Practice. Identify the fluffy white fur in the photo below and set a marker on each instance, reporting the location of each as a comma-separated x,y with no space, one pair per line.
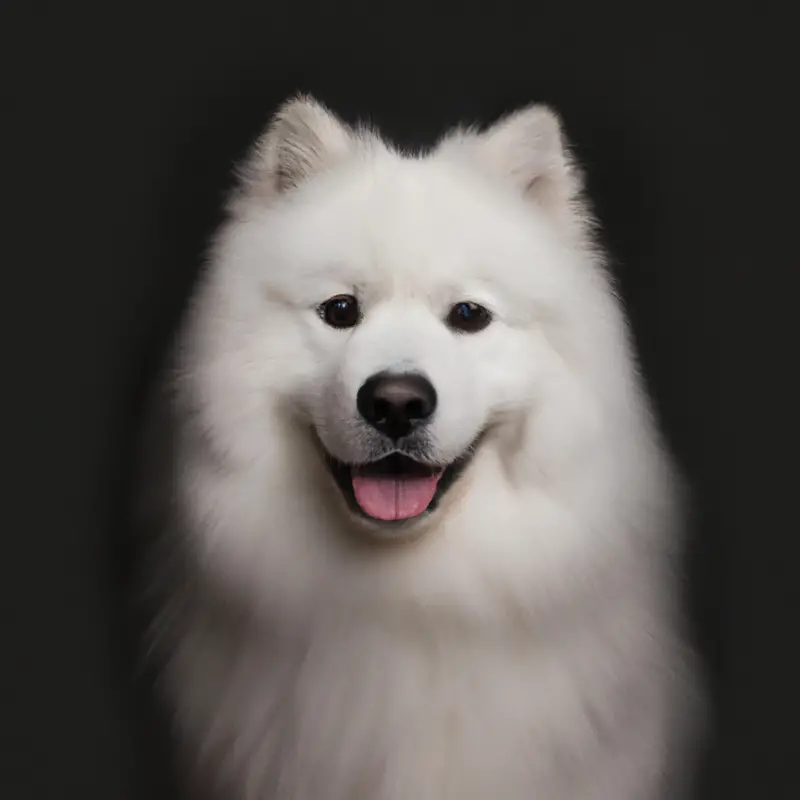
522,642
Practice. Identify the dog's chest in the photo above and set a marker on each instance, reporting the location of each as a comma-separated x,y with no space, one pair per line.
373,718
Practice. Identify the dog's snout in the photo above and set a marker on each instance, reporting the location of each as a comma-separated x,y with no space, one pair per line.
396,404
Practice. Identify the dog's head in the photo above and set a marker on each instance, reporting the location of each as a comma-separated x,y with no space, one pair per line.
385,324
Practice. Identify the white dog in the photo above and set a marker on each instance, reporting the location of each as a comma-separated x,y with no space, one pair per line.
416,528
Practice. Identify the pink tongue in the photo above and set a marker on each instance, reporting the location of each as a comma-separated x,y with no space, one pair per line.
394,498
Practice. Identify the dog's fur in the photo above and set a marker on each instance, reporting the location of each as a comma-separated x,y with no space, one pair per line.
521,641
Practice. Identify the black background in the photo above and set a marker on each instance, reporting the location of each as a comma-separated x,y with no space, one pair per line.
119,125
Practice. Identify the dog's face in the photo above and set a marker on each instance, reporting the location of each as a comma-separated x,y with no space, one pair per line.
411,303
399,307
407,347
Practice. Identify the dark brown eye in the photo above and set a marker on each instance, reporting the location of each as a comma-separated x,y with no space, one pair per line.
468,317
341,311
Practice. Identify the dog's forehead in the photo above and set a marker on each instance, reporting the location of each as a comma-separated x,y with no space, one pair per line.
412,221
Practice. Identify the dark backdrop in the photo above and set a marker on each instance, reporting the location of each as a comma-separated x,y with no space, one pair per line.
119,126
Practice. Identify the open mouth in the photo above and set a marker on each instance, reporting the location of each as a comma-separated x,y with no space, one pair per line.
396,487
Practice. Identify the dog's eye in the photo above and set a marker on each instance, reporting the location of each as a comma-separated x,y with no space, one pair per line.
341,311
468,317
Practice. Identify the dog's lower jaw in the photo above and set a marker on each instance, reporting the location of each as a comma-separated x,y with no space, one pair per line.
402,529
371,532
375,533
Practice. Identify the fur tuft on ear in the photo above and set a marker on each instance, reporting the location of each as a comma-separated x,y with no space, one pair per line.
527,150
302,139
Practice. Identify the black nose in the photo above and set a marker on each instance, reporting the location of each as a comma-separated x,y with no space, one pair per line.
395,404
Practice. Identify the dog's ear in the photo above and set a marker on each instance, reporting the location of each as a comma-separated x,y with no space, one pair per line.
302,139
526,149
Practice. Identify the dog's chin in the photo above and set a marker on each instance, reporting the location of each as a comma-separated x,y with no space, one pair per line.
393,497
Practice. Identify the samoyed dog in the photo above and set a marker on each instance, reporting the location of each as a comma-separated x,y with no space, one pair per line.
414,530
